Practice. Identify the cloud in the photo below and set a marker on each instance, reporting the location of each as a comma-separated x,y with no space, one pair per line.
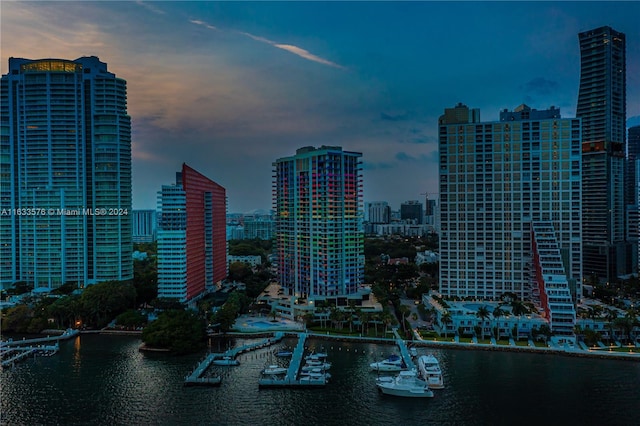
298,51
150,7
541,86
202,23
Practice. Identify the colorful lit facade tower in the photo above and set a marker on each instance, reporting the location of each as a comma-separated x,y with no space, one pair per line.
319,233
602,108
65,146
496,180
192,246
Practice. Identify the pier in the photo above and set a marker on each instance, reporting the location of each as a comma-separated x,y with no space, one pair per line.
11,355
69,333
291,378
196,379
404,352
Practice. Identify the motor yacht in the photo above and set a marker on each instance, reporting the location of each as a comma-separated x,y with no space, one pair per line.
406,384
430,370
392,364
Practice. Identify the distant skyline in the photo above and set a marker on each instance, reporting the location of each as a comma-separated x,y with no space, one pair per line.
230,87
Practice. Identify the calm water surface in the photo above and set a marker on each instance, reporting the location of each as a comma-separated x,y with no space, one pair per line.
104,380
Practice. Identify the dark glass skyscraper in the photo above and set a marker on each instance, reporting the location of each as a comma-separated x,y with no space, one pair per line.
65,174
602,108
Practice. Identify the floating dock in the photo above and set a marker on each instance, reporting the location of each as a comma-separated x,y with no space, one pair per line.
12,355
196,379
404,352
291,380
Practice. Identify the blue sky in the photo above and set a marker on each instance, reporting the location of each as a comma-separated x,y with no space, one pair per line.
228,87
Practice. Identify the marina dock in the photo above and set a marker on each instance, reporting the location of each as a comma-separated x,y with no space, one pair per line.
11,355
196,377
291,378
404,351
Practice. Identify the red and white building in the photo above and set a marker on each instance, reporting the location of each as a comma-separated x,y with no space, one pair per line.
192,247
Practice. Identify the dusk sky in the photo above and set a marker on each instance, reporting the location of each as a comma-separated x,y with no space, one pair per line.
230,87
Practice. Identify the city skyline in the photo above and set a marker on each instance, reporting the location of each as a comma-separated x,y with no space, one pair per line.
227,87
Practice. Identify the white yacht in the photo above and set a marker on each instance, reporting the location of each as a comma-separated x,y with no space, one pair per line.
430,371
392,364
272,370
319,364
406,384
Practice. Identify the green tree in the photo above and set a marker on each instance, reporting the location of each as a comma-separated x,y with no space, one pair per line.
103,301
446,320
483,314
180,331
17,319
131,318
497,313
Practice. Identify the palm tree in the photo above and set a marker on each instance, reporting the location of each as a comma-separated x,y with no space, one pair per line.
364,322
518,308
483,314
446,320
375,318
497,313
611,315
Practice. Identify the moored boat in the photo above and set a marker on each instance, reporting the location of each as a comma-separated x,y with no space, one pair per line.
227,360
392,364
430,370
274,370
406,384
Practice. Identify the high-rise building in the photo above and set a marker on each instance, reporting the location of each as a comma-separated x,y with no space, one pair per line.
144,226
412,211
377,212
258,227
65,174
602,108
510,208
318,211
631,178
192,247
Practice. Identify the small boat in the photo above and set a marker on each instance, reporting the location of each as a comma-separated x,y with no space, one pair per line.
227,360
391,364
316,373
406,384
319,364
413,352
274,370
318,356
430,370
284,354
310,367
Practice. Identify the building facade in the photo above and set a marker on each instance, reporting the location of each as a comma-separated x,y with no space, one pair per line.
144,226
377,212
318,212
602,108
65,174
496,180
411,211
192,247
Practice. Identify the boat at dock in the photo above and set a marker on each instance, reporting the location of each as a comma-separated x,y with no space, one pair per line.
274,370
406,384
429,368
285,353
227,360
392,364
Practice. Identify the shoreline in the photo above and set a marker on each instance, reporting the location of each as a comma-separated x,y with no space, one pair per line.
578,353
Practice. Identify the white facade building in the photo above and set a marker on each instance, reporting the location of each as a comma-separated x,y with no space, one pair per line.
496,179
